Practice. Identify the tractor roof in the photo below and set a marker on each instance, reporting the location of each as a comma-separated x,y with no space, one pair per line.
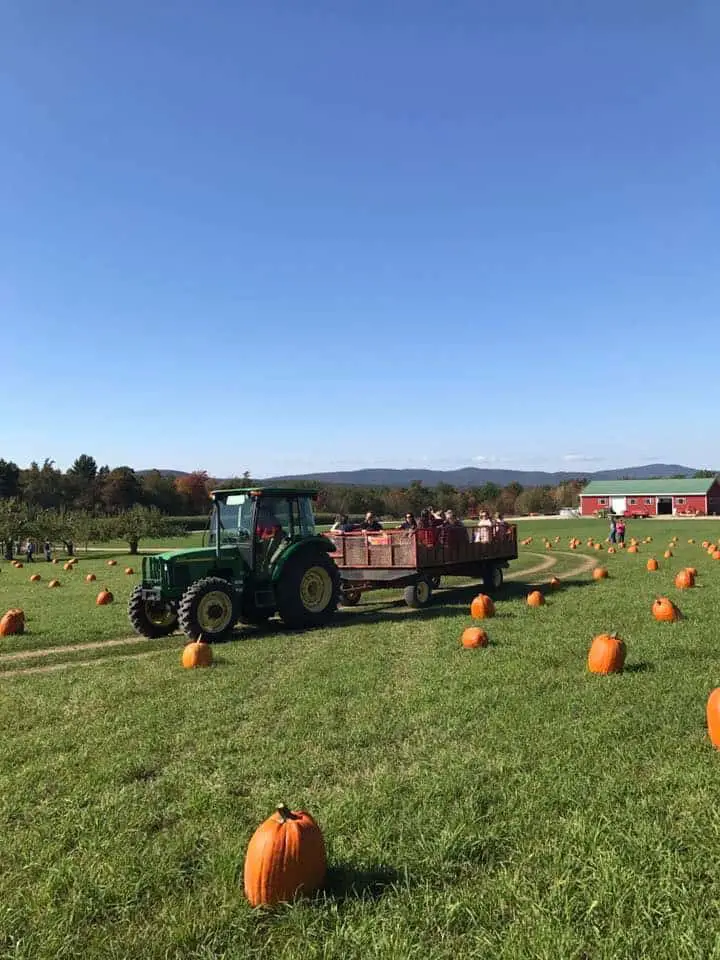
267,492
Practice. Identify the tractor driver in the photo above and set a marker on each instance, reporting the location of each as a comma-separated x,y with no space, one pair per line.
268,525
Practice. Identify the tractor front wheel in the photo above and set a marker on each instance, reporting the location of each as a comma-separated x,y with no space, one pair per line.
151,618
308,591
209,608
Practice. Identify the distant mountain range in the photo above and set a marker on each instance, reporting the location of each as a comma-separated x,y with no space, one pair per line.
470,476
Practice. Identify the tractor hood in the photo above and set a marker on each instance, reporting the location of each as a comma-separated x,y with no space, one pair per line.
195,553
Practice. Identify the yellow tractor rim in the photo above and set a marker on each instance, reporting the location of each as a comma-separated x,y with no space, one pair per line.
214,611
159,614
316,589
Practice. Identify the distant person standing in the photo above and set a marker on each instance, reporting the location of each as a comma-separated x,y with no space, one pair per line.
613,529
47,551
620,530
29,551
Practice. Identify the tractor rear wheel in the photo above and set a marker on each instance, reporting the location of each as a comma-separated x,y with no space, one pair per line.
151,618
308,591
209,608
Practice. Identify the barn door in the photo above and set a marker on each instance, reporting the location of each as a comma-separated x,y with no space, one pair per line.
617,504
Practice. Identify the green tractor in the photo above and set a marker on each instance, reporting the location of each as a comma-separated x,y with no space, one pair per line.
263,557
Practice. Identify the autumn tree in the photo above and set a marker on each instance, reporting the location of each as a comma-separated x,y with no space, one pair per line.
194,488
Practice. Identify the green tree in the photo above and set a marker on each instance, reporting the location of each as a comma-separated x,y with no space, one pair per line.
138,523
82,481
159,491
14,523
42,487
698,475
120,489
9,479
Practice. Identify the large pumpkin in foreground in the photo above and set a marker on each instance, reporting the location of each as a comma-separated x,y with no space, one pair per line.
197,654
12,622
285,857
713,717
482,607
607,654
474,637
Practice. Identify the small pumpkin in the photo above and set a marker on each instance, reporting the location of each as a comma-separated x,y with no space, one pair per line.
53,584
555,583
600,573
67,566
104,597
35,577
112,563
652,564
12,622
197,654
665,610
611,549
56,560
482,607
713,717
691,540
684,580
633,548
668,554
598,546
705,544
90,578
607,654
474,637
129,571
285,857
535,599
18,564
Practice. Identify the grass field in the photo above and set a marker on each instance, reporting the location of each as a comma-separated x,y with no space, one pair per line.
496,803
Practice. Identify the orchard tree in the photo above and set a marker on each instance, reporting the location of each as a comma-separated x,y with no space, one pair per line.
14,524
139,523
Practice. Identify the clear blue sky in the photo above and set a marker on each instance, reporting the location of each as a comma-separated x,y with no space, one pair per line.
301,234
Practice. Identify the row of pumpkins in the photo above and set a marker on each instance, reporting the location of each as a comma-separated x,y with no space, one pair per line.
286,855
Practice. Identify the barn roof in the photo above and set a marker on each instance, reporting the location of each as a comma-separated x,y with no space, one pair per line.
604,488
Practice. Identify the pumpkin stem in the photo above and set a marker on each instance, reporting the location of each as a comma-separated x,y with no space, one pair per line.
285,813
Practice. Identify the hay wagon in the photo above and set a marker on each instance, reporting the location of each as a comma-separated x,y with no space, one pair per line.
417,559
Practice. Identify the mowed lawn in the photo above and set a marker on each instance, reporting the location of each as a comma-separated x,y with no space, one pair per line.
496,803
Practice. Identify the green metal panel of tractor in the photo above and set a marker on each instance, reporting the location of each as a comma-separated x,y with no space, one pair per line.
263,557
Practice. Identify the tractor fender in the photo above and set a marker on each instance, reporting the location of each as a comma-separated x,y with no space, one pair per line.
311,543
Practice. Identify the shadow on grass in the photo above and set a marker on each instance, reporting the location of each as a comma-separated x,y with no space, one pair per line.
346,881
643,666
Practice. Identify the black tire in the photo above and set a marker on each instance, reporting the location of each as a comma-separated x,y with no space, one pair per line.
493,578
150,618
435,581
252,615
350,598
209,608
308,591
419,594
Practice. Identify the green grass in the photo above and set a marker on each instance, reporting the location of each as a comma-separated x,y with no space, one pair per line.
498,803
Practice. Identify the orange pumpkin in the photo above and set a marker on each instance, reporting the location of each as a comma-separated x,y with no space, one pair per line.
67,566
112,563
716,555
482,607
633,548
56,560
197,654
90,577
598,546
611,549
474,637
18,564
684,580
668,554
665,610
652,564
691,540
713,717
705,544
692,570
104,597
35,577
555,583
600,573
285,857
54,583
12,622
129,571
535,599
607,654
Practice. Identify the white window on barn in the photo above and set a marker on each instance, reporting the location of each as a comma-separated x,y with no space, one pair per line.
648,501
632,501
680,500
602,501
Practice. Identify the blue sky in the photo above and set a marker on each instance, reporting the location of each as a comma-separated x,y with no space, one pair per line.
287,236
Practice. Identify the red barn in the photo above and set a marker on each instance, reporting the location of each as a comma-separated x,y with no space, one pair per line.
648,498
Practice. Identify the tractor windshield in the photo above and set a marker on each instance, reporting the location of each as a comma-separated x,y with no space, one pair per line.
235,519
